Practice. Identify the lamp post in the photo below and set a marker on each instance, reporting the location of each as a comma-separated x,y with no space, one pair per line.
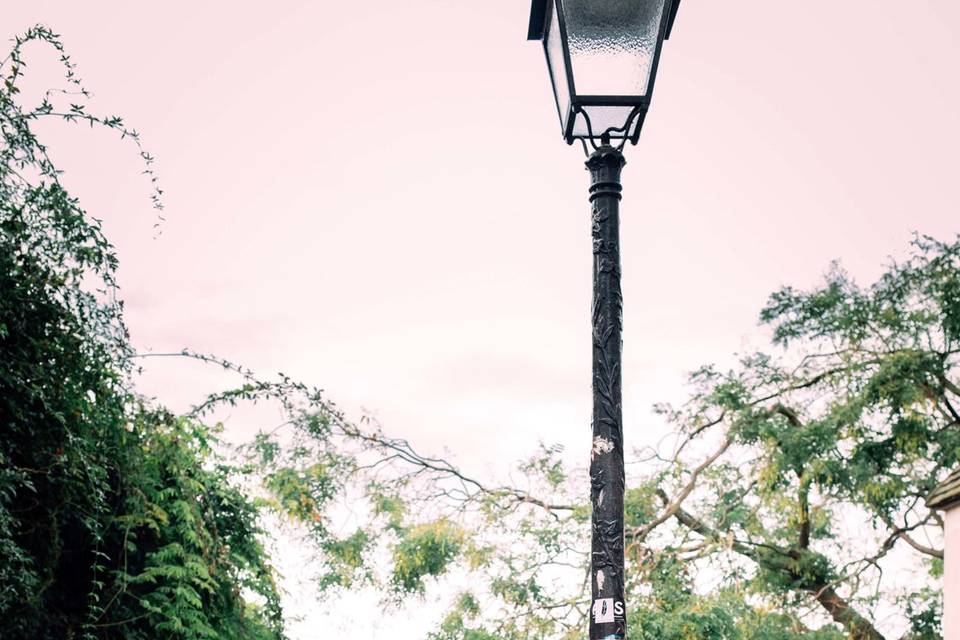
602,56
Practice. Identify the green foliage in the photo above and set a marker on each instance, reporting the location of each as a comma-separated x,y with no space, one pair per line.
675,610
301,492
457,624
640,505
117,520
189,541
346,559
423,551
546,465
389,506
925,611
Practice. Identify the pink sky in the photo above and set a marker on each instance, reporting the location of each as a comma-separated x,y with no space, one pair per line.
374,197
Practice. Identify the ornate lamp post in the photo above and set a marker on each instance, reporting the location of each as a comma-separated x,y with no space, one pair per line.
602,56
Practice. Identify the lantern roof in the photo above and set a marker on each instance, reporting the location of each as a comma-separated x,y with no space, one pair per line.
947,493
538,15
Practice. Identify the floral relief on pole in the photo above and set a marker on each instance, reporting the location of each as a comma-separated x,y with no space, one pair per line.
608,616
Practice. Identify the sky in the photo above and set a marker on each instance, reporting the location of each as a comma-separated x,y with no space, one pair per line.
375,197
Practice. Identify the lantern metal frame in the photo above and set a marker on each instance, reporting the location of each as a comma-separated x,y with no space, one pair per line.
539,13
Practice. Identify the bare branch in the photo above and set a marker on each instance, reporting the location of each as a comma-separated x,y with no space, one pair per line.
640,533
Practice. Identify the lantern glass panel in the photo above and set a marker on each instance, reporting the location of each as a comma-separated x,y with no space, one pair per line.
603,118
612,45
558,68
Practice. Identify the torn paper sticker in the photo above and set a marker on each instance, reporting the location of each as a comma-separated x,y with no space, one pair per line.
601,446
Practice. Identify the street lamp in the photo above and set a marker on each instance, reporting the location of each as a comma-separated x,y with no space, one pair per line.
602,56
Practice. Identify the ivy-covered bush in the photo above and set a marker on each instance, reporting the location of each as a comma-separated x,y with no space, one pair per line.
116,518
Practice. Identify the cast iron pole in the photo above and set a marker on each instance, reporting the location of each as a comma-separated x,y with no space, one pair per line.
608,606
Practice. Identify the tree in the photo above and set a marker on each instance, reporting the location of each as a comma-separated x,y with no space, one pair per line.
792,502
789,504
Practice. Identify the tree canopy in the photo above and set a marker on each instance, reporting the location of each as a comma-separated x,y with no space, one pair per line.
788,504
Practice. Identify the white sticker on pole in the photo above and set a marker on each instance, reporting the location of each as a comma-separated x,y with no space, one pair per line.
603,610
